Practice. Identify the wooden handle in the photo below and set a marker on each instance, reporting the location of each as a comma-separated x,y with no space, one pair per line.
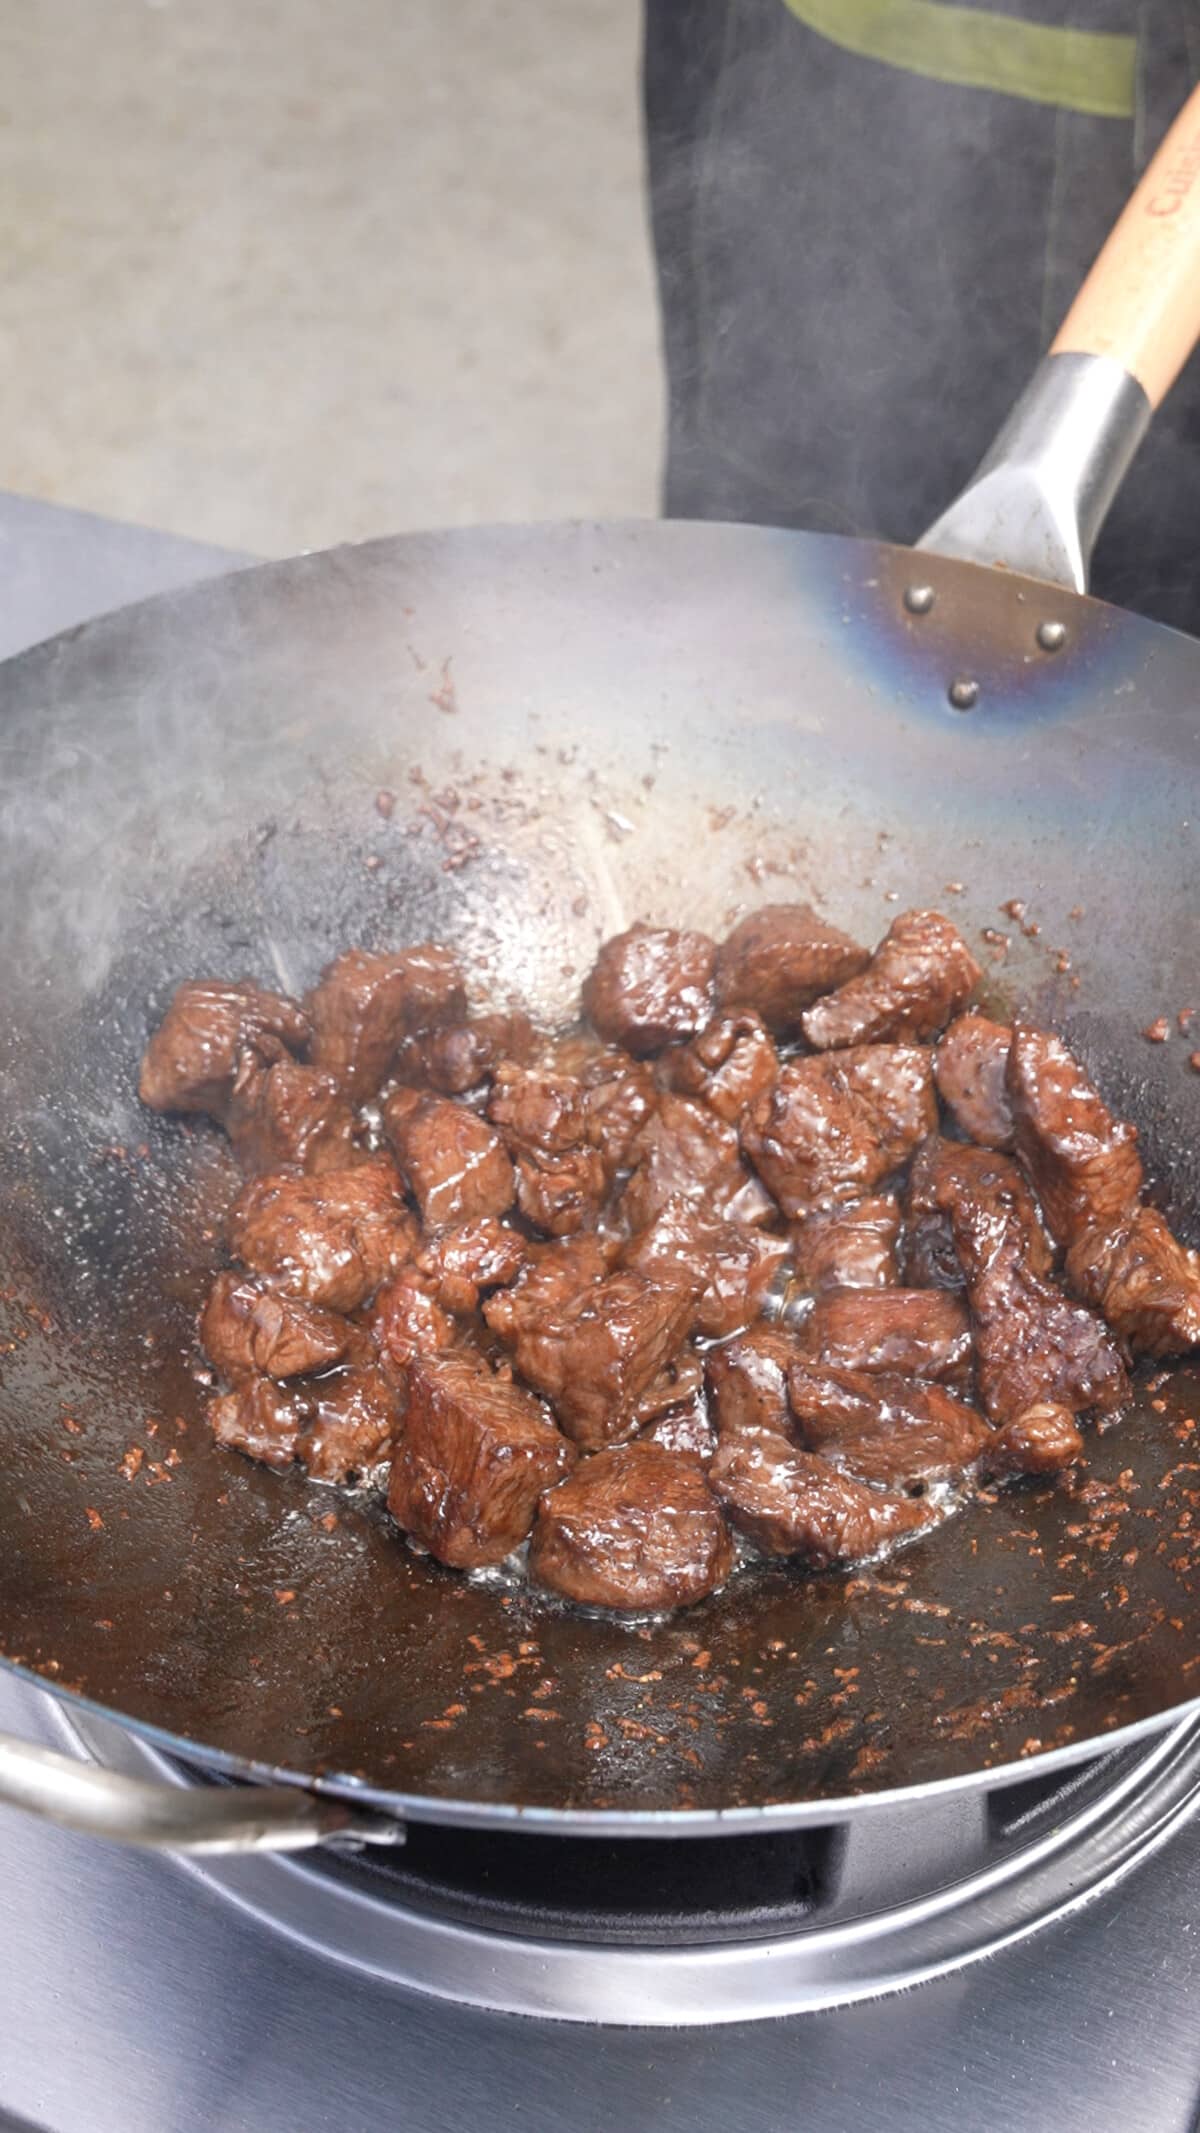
1141,302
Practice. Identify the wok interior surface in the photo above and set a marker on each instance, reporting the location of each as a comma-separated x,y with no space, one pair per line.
580,726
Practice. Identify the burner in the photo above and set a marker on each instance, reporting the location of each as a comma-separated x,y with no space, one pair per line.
675,1930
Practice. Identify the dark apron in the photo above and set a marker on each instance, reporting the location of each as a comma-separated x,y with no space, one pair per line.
862,257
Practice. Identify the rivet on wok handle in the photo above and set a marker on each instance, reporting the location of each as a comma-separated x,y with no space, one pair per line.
180,1818
1052,636
918,599
963,693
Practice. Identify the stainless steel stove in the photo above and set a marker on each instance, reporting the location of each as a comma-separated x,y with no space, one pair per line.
1046,1933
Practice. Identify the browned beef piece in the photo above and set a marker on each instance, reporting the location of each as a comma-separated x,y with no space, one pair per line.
1083,1161
790,1502
830,1129
352,1418
735,1265
247,1328
594,1352
884,1427
619,1095
1042,1440
920,975
689,1428
466,1054
684,1152
552,1277
635,1528
921,1333
365,1005
210,1035
678,1383
289,1116
650,986
852,1247
462,1262
725,1067
561,1194
407,1318
970,1067
1031,1342
560,1178
455,1164
471,1460
260,1419
945,1173
747,1382
330,1239
1144,1281
781,959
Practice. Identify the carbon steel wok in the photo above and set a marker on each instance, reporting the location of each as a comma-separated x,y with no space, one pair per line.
580,725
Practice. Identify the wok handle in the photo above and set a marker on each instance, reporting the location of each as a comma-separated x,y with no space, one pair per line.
1038,499
180,1818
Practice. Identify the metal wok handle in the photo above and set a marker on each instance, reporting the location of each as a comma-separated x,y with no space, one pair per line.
1039,498
178,1818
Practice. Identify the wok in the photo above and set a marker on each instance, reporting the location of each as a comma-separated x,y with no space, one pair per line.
580,725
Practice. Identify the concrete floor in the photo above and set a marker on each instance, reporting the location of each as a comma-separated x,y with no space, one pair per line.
288,273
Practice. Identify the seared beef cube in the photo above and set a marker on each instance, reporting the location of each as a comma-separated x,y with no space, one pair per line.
288,1116
1083,1161
789,1502
920,975
366,1004
735,1265
259,1419
650,986
635,1528
472,1458
331,1239
781,959
453,1161
678,1384
970,1067
407,1318
990,1197
561,1193
852,1247
619,1096
689,1428
1043,1440
553,1276
747,1381
211,1034
560,1180
247,1328
351,1423
599,1350
830,1129
684,1152
467,1054
462,1262
921,1333
725,1067
1146,1284
884,1427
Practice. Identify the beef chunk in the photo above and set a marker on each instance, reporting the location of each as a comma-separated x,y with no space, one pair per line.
563,1193
781,959
736,1266
1083,1161
683,1152
289,1116
330,1239
747,1383
594,1353
635,1528
830,1129
725,1067
790,1502
472,1458
247,1328
1146,1284
649,986
689,1428
920,975
552,1277
407,1318
884,1427
921,1333
619,1096
466,1054
993,1198
211,1035
462,1262
1043,1439
970,1067
678,1384
258,1418
851,1247
350,1425
560,1179
454,1162
366,1004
